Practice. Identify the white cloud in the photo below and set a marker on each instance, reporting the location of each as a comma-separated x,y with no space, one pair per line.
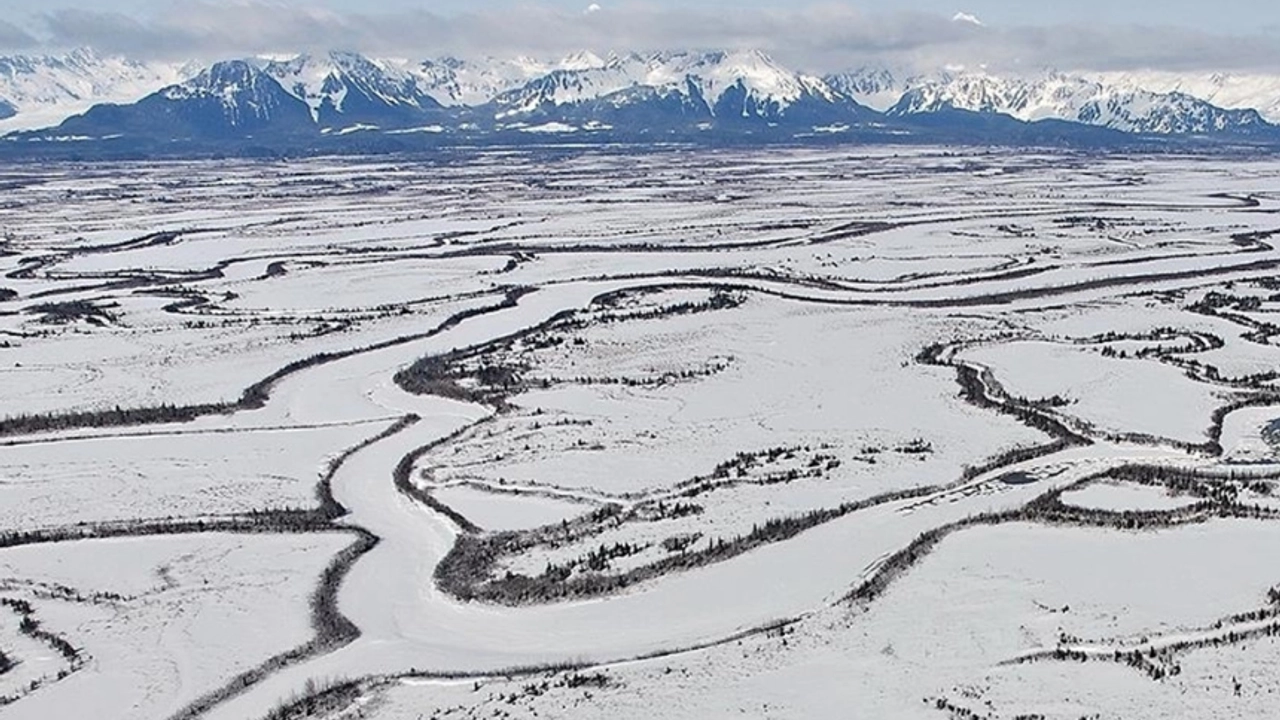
593,8
815,38
12,36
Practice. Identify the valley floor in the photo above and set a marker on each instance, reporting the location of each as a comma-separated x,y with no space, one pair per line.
887,433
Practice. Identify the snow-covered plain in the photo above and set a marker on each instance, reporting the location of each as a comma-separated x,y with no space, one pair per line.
660,434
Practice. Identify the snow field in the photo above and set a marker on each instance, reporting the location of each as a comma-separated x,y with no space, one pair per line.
186,614
807,391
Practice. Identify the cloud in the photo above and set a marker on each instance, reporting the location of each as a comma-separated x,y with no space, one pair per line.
210,29
12,36
814,38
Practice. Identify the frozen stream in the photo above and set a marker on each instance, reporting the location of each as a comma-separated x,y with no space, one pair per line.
804,331
406,623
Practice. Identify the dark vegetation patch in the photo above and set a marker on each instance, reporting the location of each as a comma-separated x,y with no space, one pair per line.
1220,500
761,468
491,373
62,313
319,700
253,522
30,626
253,397
332,629
1160,660
466,572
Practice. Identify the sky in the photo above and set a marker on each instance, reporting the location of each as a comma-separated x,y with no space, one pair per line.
1176,35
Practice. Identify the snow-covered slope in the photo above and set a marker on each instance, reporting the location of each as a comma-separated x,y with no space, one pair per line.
231,99
675,92
876,87
246,95
1227,90
43,90
454,82
745,84
1050,95
343,87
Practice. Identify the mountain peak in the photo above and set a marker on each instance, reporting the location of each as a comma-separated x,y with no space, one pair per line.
348,87
1060,96
43,90
690,90
582,60
226,79
729,85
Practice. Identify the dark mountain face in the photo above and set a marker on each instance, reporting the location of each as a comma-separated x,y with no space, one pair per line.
346,89
1066,98
228,100
709,96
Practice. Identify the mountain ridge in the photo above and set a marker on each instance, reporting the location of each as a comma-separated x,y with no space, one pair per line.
695,93
1051,95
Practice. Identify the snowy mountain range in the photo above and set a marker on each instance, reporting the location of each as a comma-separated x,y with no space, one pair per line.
44,90
84,95
1226,90
227,100
1118,105
747,84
